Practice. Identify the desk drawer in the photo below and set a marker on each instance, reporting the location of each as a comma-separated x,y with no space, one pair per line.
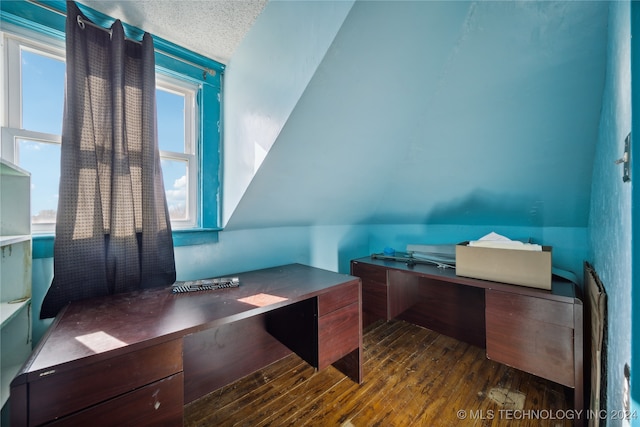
374,291
374,299
338,334
531,334
369,272
157,404
68,391
338,298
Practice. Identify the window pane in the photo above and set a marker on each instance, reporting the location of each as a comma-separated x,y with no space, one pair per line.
170,111
42,92
174,173
43,161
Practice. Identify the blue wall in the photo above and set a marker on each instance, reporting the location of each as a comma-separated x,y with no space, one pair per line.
329,247
265,79
635,211
610,212
432,112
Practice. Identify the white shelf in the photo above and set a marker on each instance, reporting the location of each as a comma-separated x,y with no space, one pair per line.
15,273
8,310
15,200
12,240
9,169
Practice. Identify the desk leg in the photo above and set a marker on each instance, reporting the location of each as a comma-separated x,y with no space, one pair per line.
321,340
19,407
351,365
296,326
404,292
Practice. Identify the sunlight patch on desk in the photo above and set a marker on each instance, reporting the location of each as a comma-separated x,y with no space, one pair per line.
100,341
262,300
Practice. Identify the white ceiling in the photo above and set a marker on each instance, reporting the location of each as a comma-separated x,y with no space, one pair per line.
213,28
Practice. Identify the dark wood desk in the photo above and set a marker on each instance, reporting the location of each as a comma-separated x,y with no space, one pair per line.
137,358
534,330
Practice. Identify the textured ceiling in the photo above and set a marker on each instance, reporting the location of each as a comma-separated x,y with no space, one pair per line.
213,28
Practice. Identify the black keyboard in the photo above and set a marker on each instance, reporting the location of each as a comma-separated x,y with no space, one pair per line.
205,284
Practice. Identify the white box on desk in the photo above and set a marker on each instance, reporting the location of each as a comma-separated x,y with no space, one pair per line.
513,266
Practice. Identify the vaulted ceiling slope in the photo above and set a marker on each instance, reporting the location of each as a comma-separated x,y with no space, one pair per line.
427,112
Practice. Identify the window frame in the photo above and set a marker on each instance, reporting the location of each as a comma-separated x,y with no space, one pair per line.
44,25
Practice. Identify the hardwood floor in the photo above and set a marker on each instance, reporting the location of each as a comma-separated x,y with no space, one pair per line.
412,377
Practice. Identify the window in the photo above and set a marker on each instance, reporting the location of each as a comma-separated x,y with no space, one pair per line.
35,102
188,112
177,112
35,128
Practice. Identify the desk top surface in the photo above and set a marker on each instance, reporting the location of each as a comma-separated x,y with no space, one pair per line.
107,326
561,289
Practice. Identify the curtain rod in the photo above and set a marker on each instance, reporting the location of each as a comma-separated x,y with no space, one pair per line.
82,22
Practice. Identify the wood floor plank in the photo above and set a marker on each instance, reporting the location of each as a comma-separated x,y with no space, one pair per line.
262,401
289,405
413,346
412,377
296,411
243,397
478,380
215,401
405,391
437,391
381,366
